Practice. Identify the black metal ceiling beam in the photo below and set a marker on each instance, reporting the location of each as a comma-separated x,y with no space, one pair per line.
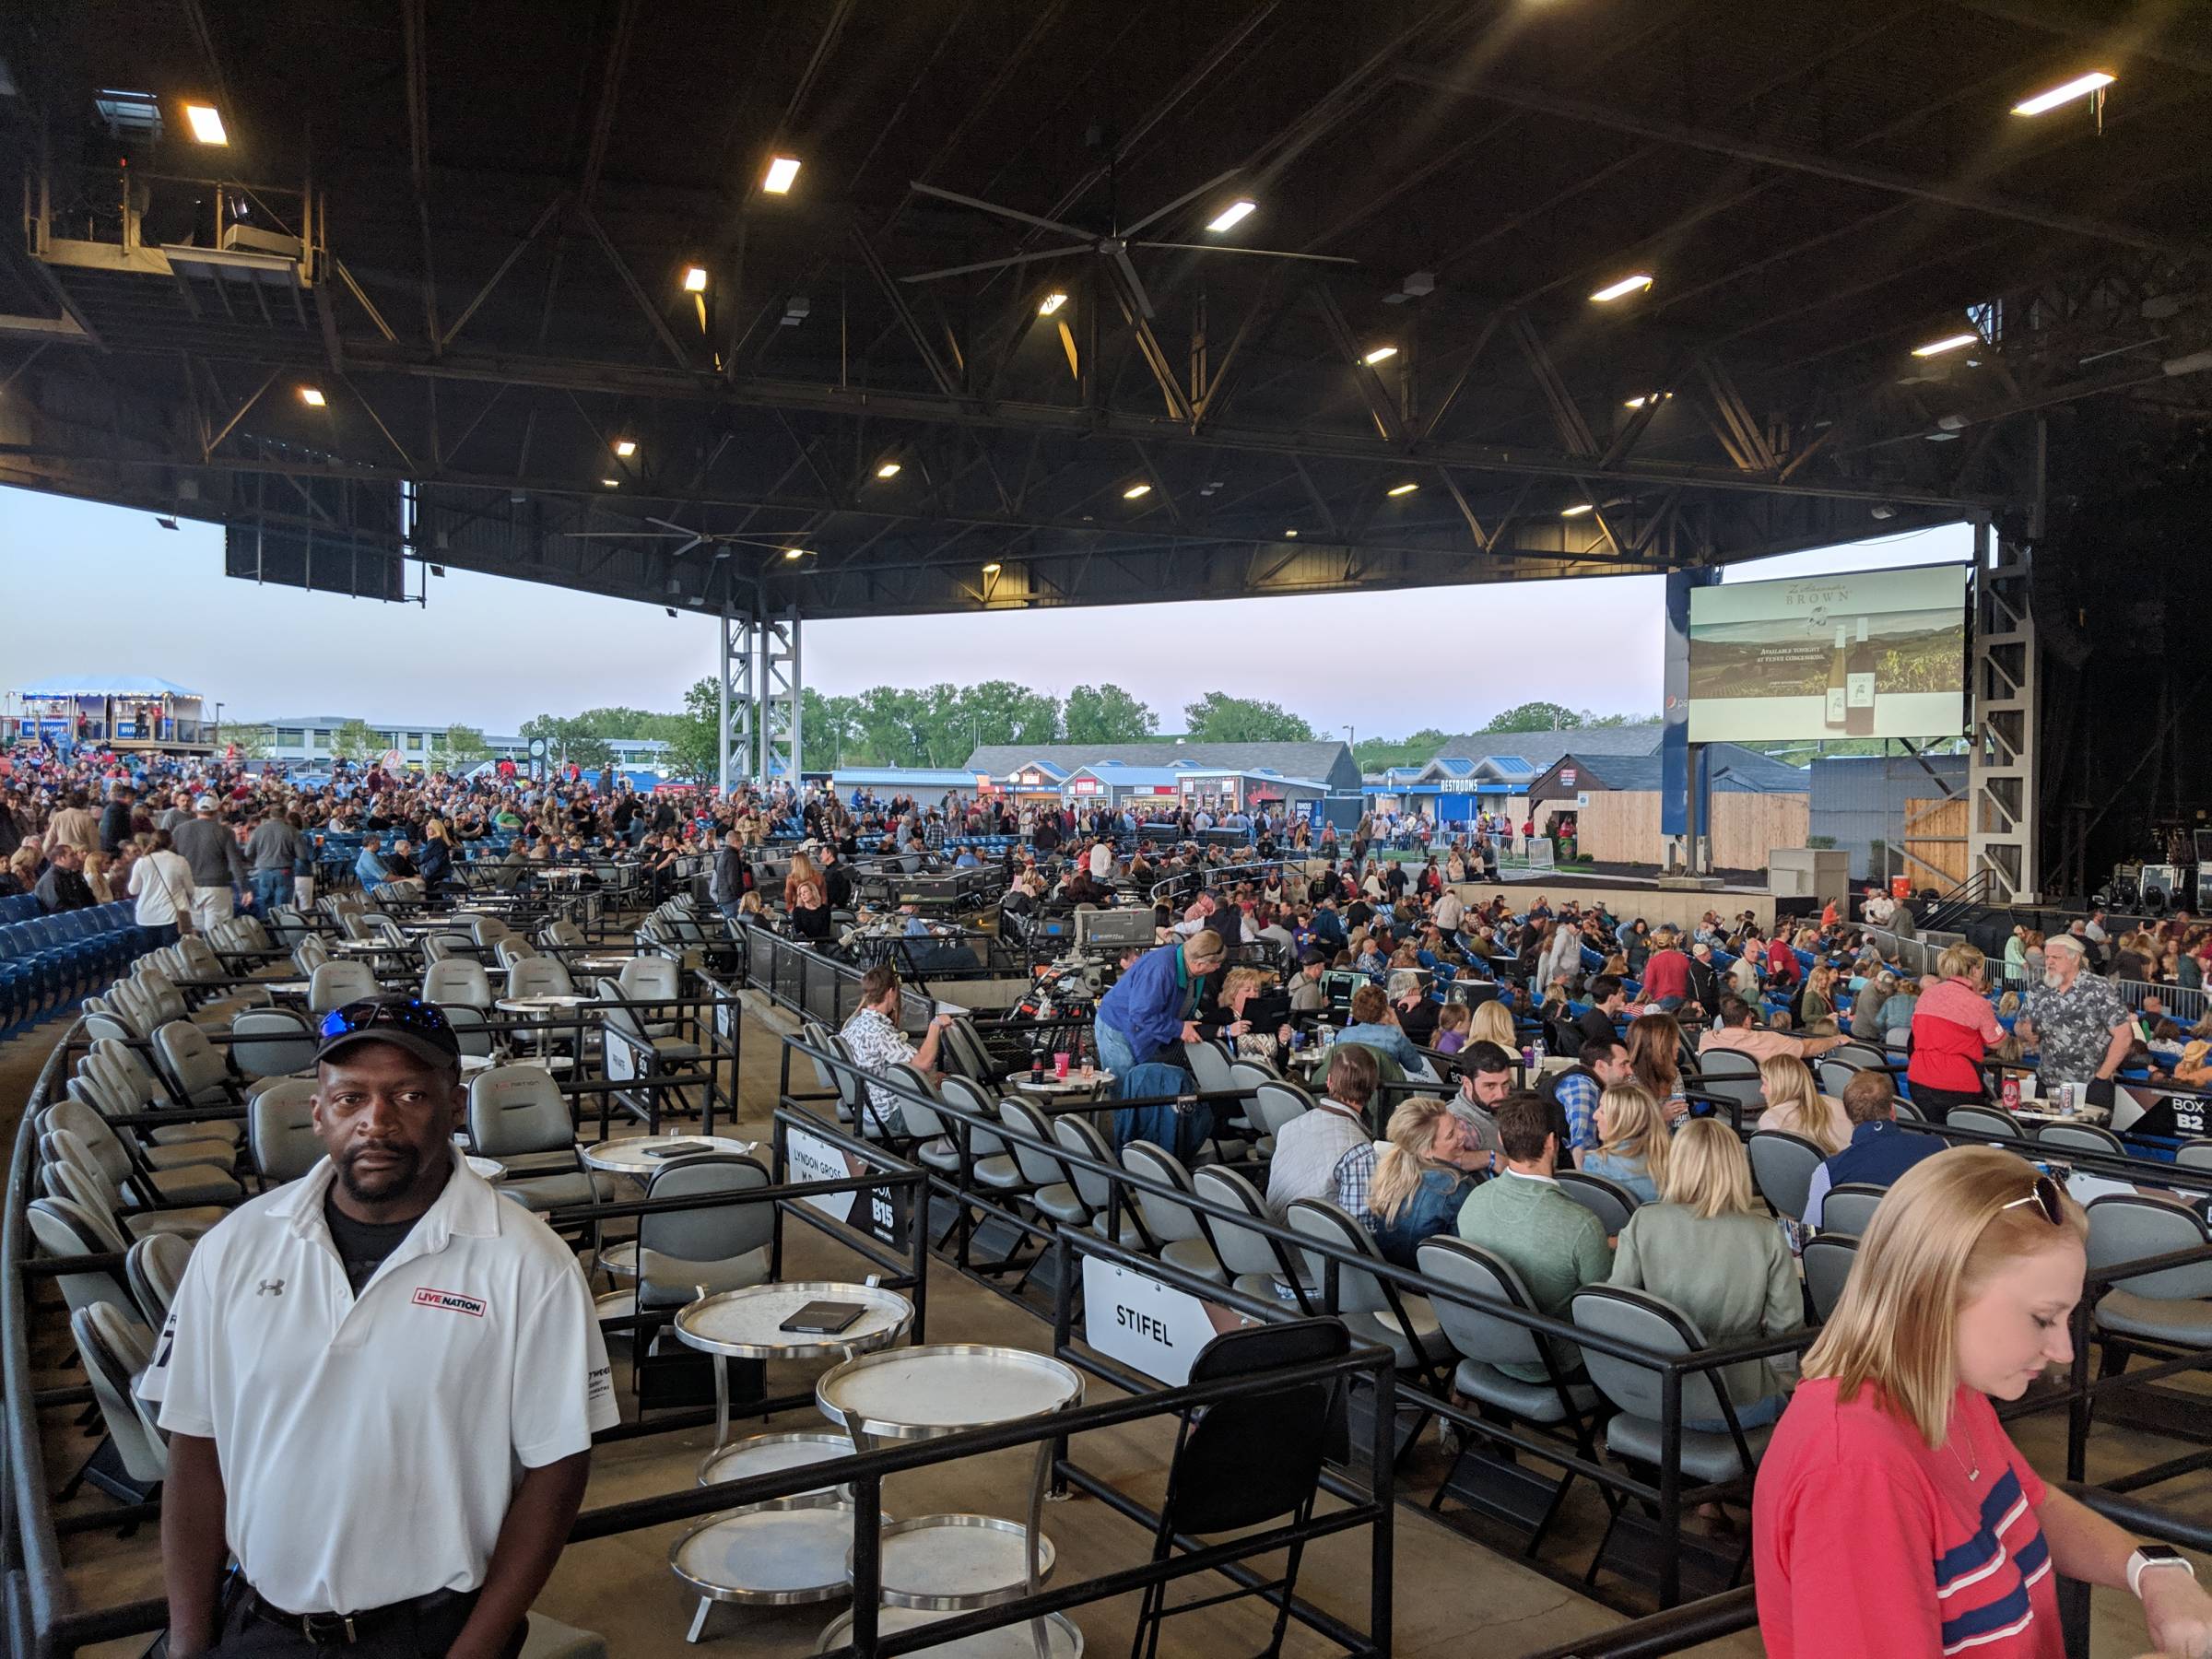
851,402
1792,159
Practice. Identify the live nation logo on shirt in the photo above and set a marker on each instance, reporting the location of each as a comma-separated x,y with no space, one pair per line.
453,1300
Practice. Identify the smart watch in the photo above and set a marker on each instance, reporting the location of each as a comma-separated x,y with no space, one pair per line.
2149,1557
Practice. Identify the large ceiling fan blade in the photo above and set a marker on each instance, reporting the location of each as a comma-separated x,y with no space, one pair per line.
672,526
1012,213
1260,253
1187,197
998,265
624,535
1136,286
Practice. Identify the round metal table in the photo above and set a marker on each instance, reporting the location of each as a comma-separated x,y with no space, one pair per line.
747,1325
1075,1084
642,1155
1062,1637
739,1557
924,1392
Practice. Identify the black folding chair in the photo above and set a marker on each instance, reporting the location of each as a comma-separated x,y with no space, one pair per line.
1244,1461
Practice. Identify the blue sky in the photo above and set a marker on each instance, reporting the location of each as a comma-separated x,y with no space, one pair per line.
102,588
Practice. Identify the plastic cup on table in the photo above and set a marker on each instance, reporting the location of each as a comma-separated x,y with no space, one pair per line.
1060,1061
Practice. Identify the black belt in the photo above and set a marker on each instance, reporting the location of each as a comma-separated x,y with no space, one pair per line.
342,1629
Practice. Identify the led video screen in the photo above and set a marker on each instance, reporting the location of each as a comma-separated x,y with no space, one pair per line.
1866,653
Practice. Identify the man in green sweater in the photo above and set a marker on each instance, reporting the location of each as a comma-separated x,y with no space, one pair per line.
1521,1217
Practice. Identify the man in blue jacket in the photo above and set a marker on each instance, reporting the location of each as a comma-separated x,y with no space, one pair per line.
1150,1007
1879,1151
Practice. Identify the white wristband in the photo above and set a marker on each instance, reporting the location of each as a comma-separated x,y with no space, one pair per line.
2139,1563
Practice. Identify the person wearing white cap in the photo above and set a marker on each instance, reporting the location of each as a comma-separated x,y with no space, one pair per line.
218,868
2076,1023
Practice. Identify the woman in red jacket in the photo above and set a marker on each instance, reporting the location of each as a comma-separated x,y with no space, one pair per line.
1892,1515
1953,1028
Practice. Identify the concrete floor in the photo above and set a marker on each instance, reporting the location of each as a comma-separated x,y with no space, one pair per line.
1446,1586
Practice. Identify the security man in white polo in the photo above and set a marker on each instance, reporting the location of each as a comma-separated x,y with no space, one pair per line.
380,1383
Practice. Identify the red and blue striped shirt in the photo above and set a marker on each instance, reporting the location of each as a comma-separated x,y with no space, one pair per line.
1867,1541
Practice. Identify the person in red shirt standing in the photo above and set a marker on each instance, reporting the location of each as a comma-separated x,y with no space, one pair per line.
1666,972
1892,1515
1953,1027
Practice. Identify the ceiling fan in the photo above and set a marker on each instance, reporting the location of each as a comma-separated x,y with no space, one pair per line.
1114,246
720,540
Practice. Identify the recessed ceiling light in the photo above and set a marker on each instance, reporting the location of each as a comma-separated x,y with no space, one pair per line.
612,483
1399,489
781,172
1235,214
694,279
1577,509
1291,534
1638,403
1134,490
311,397
206,123
1379,354
1050,304
1626,286
1948,343
626,447
889,469
795,553
992,569
2082,85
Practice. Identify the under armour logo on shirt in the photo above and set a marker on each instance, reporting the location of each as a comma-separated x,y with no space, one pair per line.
270,1287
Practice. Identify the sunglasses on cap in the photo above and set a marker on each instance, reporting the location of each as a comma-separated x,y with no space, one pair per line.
369,1014
2045,1196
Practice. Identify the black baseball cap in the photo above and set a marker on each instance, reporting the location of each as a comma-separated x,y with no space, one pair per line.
406,1022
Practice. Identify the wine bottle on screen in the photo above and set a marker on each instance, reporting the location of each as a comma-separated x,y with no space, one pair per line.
1858,687
1834,714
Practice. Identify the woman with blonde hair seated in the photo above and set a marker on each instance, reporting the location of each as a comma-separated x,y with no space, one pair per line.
1796,1107
1890,1460
1709,1246
1491,1022
1633,1141
1415,1182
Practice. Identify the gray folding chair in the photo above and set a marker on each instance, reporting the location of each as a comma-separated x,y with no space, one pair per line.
1180,1230
518,1116
1782,1166
457,982
1848,1210
1606,1199
272,1042
116,1349
1258,1266
281,1130
1635,1434
2079,1137
680,1256
336,983
1487,1341
1827,1260
1986,1120
155,1267
2168,1308
1732,1077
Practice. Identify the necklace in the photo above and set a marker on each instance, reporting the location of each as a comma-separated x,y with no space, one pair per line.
1973,1474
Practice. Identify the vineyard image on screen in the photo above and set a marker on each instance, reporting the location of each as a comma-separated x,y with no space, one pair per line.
1871,653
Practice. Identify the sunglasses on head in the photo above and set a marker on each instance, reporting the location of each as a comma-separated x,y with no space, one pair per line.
356,1016
2044,1195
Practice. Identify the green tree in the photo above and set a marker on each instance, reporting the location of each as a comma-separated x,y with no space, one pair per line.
355,741
464,746
1220,718
694,737
1600,722
1536,717
831,729
1376,754
253,741
898,724
1001,711
1106,714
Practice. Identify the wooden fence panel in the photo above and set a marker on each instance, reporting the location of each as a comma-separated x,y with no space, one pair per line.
1935,841
1622,827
